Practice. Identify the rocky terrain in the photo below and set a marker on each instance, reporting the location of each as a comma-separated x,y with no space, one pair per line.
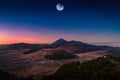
25,60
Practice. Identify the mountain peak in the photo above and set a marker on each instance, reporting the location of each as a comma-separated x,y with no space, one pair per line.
61,39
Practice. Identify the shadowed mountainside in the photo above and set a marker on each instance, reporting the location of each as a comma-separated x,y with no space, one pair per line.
60,55
76,46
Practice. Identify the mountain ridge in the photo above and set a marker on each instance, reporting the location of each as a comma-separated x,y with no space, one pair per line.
62,41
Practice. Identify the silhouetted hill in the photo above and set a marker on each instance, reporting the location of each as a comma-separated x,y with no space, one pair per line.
23,46
76,46
61,41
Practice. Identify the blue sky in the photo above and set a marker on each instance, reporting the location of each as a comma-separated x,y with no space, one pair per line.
88,20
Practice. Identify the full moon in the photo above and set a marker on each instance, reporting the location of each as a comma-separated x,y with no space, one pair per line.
59,7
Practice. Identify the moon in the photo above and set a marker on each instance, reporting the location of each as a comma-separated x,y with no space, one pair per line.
59,7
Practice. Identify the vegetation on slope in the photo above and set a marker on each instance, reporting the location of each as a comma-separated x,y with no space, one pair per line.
104,68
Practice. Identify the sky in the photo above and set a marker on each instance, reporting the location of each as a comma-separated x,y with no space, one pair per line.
38,21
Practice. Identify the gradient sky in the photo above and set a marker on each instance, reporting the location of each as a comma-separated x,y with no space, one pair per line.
38,21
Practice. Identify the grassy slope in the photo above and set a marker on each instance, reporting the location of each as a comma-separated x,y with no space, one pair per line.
100,69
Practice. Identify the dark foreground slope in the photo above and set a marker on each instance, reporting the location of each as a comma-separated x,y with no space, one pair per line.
8,76
104,68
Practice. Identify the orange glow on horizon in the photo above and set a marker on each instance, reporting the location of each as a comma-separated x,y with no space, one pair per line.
19,40
18,36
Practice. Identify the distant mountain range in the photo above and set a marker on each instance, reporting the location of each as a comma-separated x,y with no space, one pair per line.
113,44
60,44
61,41
76,46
